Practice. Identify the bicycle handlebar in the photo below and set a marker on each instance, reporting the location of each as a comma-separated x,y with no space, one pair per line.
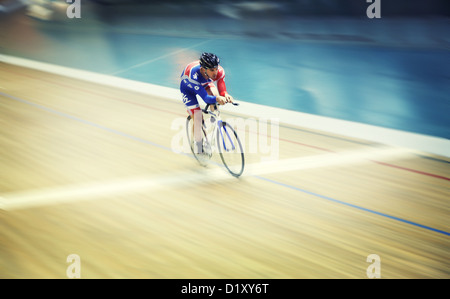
207,106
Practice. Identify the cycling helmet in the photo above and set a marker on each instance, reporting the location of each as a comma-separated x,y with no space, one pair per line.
209,60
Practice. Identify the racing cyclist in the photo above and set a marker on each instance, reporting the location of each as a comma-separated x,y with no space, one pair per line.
198,78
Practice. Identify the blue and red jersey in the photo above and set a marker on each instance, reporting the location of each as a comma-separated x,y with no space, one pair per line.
193,84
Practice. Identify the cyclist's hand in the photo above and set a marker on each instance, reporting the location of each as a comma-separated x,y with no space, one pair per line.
221,100
229,98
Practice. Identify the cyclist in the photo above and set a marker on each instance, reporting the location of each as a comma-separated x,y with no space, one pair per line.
198,78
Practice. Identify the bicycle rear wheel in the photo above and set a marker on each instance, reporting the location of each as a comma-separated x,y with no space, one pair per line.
190,137
230,149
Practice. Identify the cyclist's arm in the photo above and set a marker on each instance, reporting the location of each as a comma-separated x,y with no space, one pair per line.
209,99
223,91
222,87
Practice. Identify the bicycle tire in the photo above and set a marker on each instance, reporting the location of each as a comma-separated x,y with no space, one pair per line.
225,138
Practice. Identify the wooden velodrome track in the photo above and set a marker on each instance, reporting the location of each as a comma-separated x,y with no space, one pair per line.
87,169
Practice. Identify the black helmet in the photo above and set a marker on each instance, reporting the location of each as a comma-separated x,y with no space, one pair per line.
209,60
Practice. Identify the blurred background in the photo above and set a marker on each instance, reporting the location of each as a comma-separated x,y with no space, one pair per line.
324,57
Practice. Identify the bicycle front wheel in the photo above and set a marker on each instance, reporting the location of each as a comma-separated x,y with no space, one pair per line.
230,149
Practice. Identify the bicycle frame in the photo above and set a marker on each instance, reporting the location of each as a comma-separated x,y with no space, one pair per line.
217,125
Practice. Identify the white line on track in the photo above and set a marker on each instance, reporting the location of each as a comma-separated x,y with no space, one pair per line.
104,189
328,160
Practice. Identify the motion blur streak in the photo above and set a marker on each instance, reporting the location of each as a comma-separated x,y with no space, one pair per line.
63,194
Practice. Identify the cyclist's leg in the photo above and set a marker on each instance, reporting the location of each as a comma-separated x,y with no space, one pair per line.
193,108
212,90
197,117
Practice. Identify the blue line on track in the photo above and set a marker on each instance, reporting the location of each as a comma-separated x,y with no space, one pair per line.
85,121
354,206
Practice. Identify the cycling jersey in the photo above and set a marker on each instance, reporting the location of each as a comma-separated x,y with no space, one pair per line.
193,83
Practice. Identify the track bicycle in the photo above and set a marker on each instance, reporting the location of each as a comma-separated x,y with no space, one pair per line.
217,135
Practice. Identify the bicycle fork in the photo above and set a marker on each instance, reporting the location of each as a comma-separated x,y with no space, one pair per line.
221,125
